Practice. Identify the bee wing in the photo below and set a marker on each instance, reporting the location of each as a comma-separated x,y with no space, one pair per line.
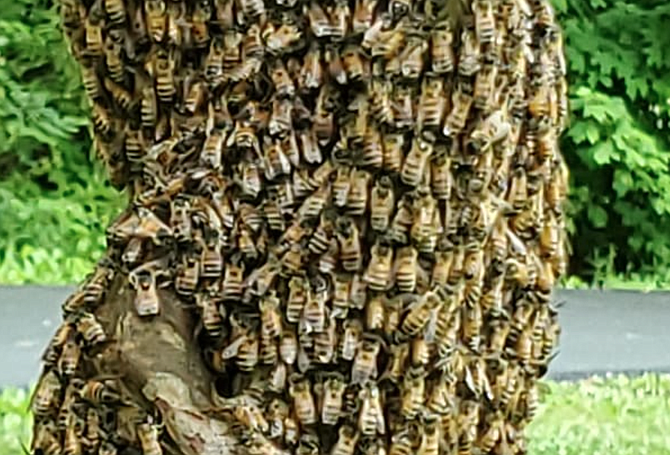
431,326
233,348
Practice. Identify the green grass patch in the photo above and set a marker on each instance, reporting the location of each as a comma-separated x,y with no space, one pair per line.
619,415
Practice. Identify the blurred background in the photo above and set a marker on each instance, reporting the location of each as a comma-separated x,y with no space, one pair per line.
55,201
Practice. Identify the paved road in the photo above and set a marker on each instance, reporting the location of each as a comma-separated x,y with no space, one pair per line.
602,332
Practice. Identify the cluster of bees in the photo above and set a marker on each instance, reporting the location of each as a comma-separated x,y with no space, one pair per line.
361,201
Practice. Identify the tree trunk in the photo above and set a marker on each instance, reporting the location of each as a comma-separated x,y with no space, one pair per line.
345,225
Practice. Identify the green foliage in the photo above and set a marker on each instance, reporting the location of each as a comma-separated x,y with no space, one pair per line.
617,148
54,201
15,421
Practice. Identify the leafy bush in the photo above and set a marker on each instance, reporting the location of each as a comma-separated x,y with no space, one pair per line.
54,201
616,145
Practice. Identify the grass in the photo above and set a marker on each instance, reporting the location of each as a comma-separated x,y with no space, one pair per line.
618,415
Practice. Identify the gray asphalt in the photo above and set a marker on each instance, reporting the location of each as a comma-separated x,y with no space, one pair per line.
603,332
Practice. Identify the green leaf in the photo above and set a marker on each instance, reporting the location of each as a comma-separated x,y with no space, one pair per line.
598,216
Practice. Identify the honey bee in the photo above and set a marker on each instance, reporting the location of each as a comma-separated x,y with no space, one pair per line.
90,329
325,343
350,247
270,316
282,80
412,58
401,443
93,430
424,213
378,273
314,204
72,11
148,107
493,433
383,41
163,68
412,393
441,397
156,19
102,122
484,87
68,362
147,301
311,152
357,198
140,34
430,436
432,103
469,62
93,38
354,66
341,294
311,73
406,269
489,132
346,440
381,109
115,67
331,391
90,79
188,275
201,15
303,401
45,438
72,437
314,312
364,366
280,120
280,39
252,9
382,203
403,107
293,259
319,21
420,312
288,346
211,150
97,393
351,337
297,298
422,350
401,222
53,349
47,394
374,313
245,350
484,21
107,448
455,121
212,319
233,281
176,17
371,419
414,166
147,434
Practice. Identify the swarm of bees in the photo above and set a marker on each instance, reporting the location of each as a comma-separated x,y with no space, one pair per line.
360,200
